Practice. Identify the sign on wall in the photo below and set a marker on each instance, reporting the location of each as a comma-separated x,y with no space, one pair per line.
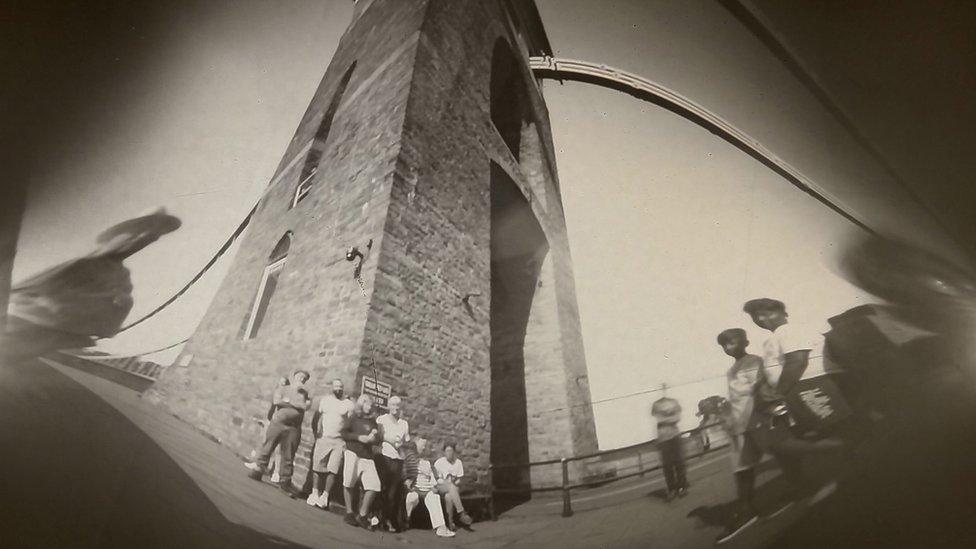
380,391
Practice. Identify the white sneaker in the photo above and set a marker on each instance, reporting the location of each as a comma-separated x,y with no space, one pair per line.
323,501
779,511
444,532
253,466
313,499
823,493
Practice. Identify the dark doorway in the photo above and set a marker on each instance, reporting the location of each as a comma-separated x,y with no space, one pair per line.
506,96
518,247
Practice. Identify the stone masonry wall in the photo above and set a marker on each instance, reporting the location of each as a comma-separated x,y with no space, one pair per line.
407,164
426,340
317,318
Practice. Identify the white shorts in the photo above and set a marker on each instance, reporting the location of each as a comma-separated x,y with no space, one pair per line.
362,469
746,453
327,455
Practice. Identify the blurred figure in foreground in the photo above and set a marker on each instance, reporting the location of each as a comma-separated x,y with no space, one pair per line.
71,305
927,322
908,373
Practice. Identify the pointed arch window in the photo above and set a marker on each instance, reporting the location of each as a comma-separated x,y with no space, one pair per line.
311,165
268,286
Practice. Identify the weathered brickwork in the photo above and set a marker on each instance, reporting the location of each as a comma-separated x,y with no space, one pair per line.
317,318
408,164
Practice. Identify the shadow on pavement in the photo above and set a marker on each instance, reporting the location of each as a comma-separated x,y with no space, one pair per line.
77,473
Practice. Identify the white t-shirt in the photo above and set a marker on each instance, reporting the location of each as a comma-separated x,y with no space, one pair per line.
443,468
395,433
742,378
333,415
787,339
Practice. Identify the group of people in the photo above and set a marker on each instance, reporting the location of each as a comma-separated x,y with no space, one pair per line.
375,452
782,403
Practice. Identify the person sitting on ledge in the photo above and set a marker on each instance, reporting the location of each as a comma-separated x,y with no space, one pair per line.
421,483
449,472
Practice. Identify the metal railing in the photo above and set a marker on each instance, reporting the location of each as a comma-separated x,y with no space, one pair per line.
566,487
131,365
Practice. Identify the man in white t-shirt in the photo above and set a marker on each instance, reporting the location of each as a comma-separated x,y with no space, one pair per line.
788,357
449,472
394,432
327,423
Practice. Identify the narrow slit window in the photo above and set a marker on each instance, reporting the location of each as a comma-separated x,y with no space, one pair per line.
308,175
311,165
269,285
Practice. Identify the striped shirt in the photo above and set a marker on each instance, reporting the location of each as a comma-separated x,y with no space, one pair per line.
411,459
425,476
417,469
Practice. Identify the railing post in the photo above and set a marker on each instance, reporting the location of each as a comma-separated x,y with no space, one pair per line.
567,505
491,493
640,463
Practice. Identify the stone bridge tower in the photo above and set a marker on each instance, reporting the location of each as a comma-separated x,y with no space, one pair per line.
427,146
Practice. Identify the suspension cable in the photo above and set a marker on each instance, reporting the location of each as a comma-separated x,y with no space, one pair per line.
223,249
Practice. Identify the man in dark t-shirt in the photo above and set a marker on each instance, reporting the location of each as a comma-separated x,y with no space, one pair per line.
360,434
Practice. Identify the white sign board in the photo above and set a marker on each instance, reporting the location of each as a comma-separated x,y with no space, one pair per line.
380,391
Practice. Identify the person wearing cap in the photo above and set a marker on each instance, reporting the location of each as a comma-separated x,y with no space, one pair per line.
284,431
787,358
394,432
71,305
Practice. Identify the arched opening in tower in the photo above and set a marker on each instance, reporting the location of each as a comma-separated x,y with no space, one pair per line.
506,94
311,165
518,247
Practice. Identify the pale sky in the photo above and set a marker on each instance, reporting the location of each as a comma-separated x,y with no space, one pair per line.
671,229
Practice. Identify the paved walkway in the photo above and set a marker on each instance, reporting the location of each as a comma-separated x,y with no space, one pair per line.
87,463
99,467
